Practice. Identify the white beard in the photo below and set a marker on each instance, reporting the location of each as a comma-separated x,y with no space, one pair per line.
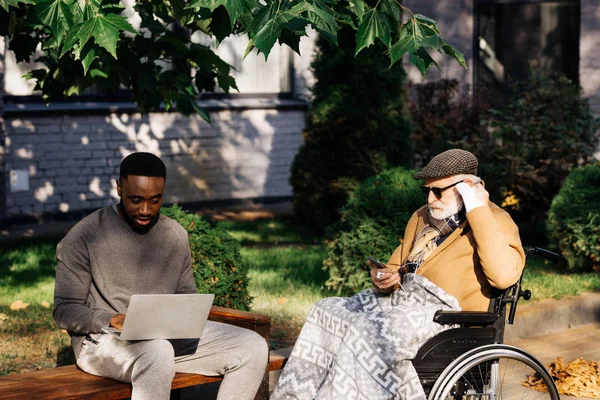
440,211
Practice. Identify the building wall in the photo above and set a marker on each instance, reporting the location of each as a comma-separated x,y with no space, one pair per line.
589,52
72,161
455,21
2,128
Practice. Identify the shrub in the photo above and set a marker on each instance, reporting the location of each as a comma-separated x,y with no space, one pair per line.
574,219
546,130
216,260
356,126
445,116
372,224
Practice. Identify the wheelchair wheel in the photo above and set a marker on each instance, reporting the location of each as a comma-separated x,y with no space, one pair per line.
492,372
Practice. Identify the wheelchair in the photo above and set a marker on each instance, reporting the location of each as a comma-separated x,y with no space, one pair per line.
470,361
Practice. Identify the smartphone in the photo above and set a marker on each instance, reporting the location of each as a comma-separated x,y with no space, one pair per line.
377,263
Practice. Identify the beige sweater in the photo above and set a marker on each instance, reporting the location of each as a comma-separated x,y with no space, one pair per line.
482,253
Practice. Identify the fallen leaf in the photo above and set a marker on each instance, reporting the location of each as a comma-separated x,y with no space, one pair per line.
3,317
18,305
45,304
282,300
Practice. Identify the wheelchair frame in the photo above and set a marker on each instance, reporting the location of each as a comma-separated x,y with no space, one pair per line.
443,359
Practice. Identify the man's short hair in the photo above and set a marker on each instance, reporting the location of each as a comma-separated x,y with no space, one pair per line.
448,163
142,164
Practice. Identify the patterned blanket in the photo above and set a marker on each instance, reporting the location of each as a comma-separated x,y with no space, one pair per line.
360,347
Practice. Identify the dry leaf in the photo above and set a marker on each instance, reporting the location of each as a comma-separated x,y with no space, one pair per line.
45,304
18,305
3,317
579,378
282,300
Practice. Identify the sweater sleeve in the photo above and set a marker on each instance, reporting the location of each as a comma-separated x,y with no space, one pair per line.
72,288
498,245
187,283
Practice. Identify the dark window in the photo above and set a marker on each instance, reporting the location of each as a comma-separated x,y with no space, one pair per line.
515,36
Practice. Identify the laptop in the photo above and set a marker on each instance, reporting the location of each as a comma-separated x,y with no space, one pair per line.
164,316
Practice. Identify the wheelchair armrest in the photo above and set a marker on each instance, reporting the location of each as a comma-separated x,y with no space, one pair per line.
465,318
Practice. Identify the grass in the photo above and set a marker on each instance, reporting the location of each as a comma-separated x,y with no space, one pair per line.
285,282
270,232
548,282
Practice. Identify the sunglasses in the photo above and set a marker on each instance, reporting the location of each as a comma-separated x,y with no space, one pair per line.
437,192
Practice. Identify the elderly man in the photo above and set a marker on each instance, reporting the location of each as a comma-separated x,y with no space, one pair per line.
455,250
460,240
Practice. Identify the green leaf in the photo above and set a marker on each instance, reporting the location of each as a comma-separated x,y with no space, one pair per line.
105,30
358,6
266,37
58,15
291,39
249,48
393,10
13,3
452,52
422,60
404,45
235,8
227,82
373,26
98,73
322,18
87,55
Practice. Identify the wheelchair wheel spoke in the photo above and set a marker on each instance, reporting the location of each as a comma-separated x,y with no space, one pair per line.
495,376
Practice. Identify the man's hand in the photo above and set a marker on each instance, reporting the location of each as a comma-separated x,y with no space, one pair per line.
117,321
473,194
384,279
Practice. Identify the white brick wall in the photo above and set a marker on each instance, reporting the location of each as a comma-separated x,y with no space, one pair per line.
73,160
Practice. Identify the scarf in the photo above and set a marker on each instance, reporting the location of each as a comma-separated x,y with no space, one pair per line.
431,236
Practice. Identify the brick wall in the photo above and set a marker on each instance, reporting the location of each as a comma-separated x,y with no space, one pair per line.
455,21
72,161
589,52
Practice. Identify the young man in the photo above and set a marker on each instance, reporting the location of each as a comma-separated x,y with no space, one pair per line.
127,249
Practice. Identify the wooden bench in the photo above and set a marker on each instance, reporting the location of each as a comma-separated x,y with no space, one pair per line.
71,383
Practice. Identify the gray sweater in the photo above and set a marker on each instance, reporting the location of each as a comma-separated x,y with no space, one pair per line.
102,262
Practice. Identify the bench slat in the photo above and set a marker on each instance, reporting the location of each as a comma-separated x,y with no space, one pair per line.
68,383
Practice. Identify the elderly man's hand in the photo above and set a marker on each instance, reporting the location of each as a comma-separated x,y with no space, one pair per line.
473,194
384,279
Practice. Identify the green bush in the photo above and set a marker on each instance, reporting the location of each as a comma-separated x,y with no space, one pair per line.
357,126
445,116
216,260
546,130
574,219
372,224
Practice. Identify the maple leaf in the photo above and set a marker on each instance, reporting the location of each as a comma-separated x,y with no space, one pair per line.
105,30
235,8
59,15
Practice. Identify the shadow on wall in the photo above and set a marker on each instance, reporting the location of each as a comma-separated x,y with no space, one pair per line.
64,164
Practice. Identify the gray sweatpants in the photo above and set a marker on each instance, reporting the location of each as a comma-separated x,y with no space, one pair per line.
240,355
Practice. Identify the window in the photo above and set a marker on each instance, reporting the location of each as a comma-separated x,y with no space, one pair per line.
514,36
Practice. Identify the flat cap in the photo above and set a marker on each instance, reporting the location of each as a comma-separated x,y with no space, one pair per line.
448,163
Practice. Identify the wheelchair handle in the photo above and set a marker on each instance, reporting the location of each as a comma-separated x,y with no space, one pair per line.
517,291
547,254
